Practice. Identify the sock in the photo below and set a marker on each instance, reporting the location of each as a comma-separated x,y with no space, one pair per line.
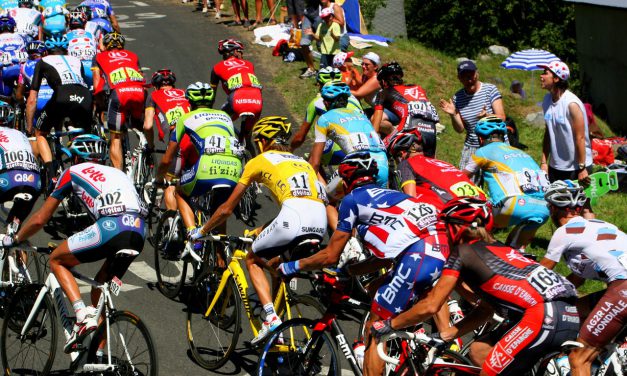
79,306
270,313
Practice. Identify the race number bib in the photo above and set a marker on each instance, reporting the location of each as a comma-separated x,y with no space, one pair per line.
299,184
125,74
83,53
528,180
237,81
110,203
421,215
359,141
215,144
419,109
6,58
174,114
546,282
464,188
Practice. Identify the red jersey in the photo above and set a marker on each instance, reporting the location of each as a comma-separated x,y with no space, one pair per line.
436,179
169,106
119,68
234,74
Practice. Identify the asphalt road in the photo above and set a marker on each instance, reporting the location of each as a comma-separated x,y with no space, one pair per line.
166,33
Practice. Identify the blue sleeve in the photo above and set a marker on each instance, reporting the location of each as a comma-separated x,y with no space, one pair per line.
347,214
64,185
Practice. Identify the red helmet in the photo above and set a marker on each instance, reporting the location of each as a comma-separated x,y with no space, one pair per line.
403,140
229,45
358,168
466,211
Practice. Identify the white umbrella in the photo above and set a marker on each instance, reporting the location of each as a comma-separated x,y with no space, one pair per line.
528,60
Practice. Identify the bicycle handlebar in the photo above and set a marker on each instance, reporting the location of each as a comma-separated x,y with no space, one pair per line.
229,238
421,338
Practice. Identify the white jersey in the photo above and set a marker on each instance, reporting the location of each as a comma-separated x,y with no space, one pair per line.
16,152
105,191
13,49
27,21
94,29
593,249
82,45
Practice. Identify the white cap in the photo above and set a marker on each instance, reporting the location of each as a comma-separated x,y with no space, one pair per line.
372,57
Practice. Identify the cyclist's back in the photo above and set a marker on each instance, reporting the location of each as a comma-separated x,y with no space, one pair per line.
169,105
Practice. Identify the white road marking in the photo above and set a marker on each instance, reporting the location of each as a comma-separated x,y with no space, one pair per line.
138,3
149,15
144,271
86,289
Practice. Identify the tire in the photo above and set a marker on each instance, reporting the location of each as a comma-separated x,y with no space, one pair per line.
247,205
33,355
213,339
132,349
294,349
302,306
29,273
169,244
447,356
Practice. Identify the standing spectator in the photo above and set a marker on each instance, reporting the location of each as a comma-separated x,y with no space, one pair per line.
328,34
476,100
566,146
350,74
369,83
338,14
236,12
259,9
309,21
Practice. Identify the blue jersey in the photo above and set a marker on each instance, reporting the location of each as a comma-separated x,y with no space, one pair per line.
8,4
104,24
350,129
508,172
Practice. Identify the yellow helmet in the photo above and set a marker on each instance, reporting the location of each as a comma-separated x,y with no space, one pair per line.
273,128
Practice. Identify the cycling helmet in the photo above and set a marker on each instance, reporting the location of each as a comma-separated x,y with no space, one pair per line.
7,115
163,77
36,47
334,90
565,193
199,93
390,70
113,40
490,124
77,20
7,23
86,9
56,42
25,3
273,128
328,74
403,140
358,168
468,212
88,147
229,45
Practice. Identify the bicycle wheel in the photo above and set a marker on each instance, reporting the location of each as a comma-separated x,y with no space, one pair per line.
295,349
170,268
29,272
247,205
33,353
447,363
129,345
212,338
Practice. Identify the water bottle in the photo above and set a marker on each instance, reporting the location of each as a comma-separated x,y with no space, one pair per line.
563,366
455,311
359,349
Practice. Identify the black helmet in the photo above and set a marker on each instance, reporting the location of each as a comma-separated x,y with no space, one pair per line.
389,71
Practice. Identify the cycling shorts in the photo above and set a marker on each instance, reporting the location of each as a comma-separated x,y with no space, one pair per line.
518,210
87,72
608,317
244,99
12,179
125,102
186,156
209,171
73,101
427,131
10,75
413,274
107,236
382,164
541,330
299,219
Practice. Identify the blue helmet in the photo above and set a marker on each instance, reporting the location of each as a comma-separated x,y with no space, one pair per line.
7,23
36,47
89,147
56,42
7,114
490,124
334,90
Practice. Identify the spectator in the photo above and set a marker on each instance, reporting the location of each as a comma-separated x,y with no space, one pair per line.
259,9
369,83
517,88
328,34
593,127
309,21
338,13
236,13
350,75
475,100
566,148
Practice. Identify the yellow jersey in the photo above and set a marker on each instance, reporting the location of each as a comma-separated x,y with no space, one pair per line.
285,174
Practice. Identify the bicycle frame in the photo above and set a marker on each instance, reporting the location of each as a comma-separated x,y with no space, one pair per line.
10,257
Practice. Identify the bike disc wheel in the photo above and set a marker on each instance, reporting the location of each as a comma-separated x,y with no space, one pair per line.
169,243
212,338
32,354
295,349
129,345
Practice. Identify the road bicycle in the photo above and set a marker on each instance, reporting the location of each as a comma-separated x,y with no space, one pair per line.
139,164
214,316
29,331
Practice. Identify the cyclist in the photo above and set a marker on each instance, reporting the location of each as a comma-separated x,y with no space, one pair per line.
349,128
102,9
536,301
12,53
90,26
240,84
165,105
8,4
219,167
426,177
295,188
28,21
408,103
81,43
19,172
393,226
98,24
111,200
117,71
71,98
515,182
54,14
592,249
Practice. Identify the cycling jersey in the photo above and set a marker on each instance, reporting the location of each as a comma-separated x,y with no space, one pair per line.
119,68
58,70
286,175
99,26
45,92
27,22
8,4
316,107
16,152
105,191
508,172
169,105
12,53
593,249
103,5
82,45
53,16
437,180
234,73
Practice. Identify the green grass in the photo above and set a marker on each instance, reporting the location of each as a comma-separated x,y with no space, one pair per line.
436,73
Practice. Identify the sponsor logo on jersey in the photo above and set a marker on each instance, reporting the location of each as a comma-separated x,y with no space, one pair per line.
94,174
248,101
174,93
3,137
109,225
87,199
24,178
116,56
76,98
4,182
131,221
413,92
234,63
399,282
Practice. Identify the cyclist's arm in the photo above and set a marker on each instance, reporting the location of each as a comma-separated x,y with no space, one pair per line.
37,221
409,188
367,88
97,79
377,116
114,22
428,306
328,256
167,159
316,155
301,135
149,114
31,106
549,264
476,317
546,149
497,107
225,210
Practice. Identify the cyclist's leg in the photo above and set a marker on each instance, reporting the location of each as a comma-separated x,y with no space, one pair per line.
528,215
22,206
116,124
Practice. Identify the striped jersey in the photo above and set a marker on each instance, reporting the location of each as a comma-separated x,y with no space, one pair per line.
470,105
